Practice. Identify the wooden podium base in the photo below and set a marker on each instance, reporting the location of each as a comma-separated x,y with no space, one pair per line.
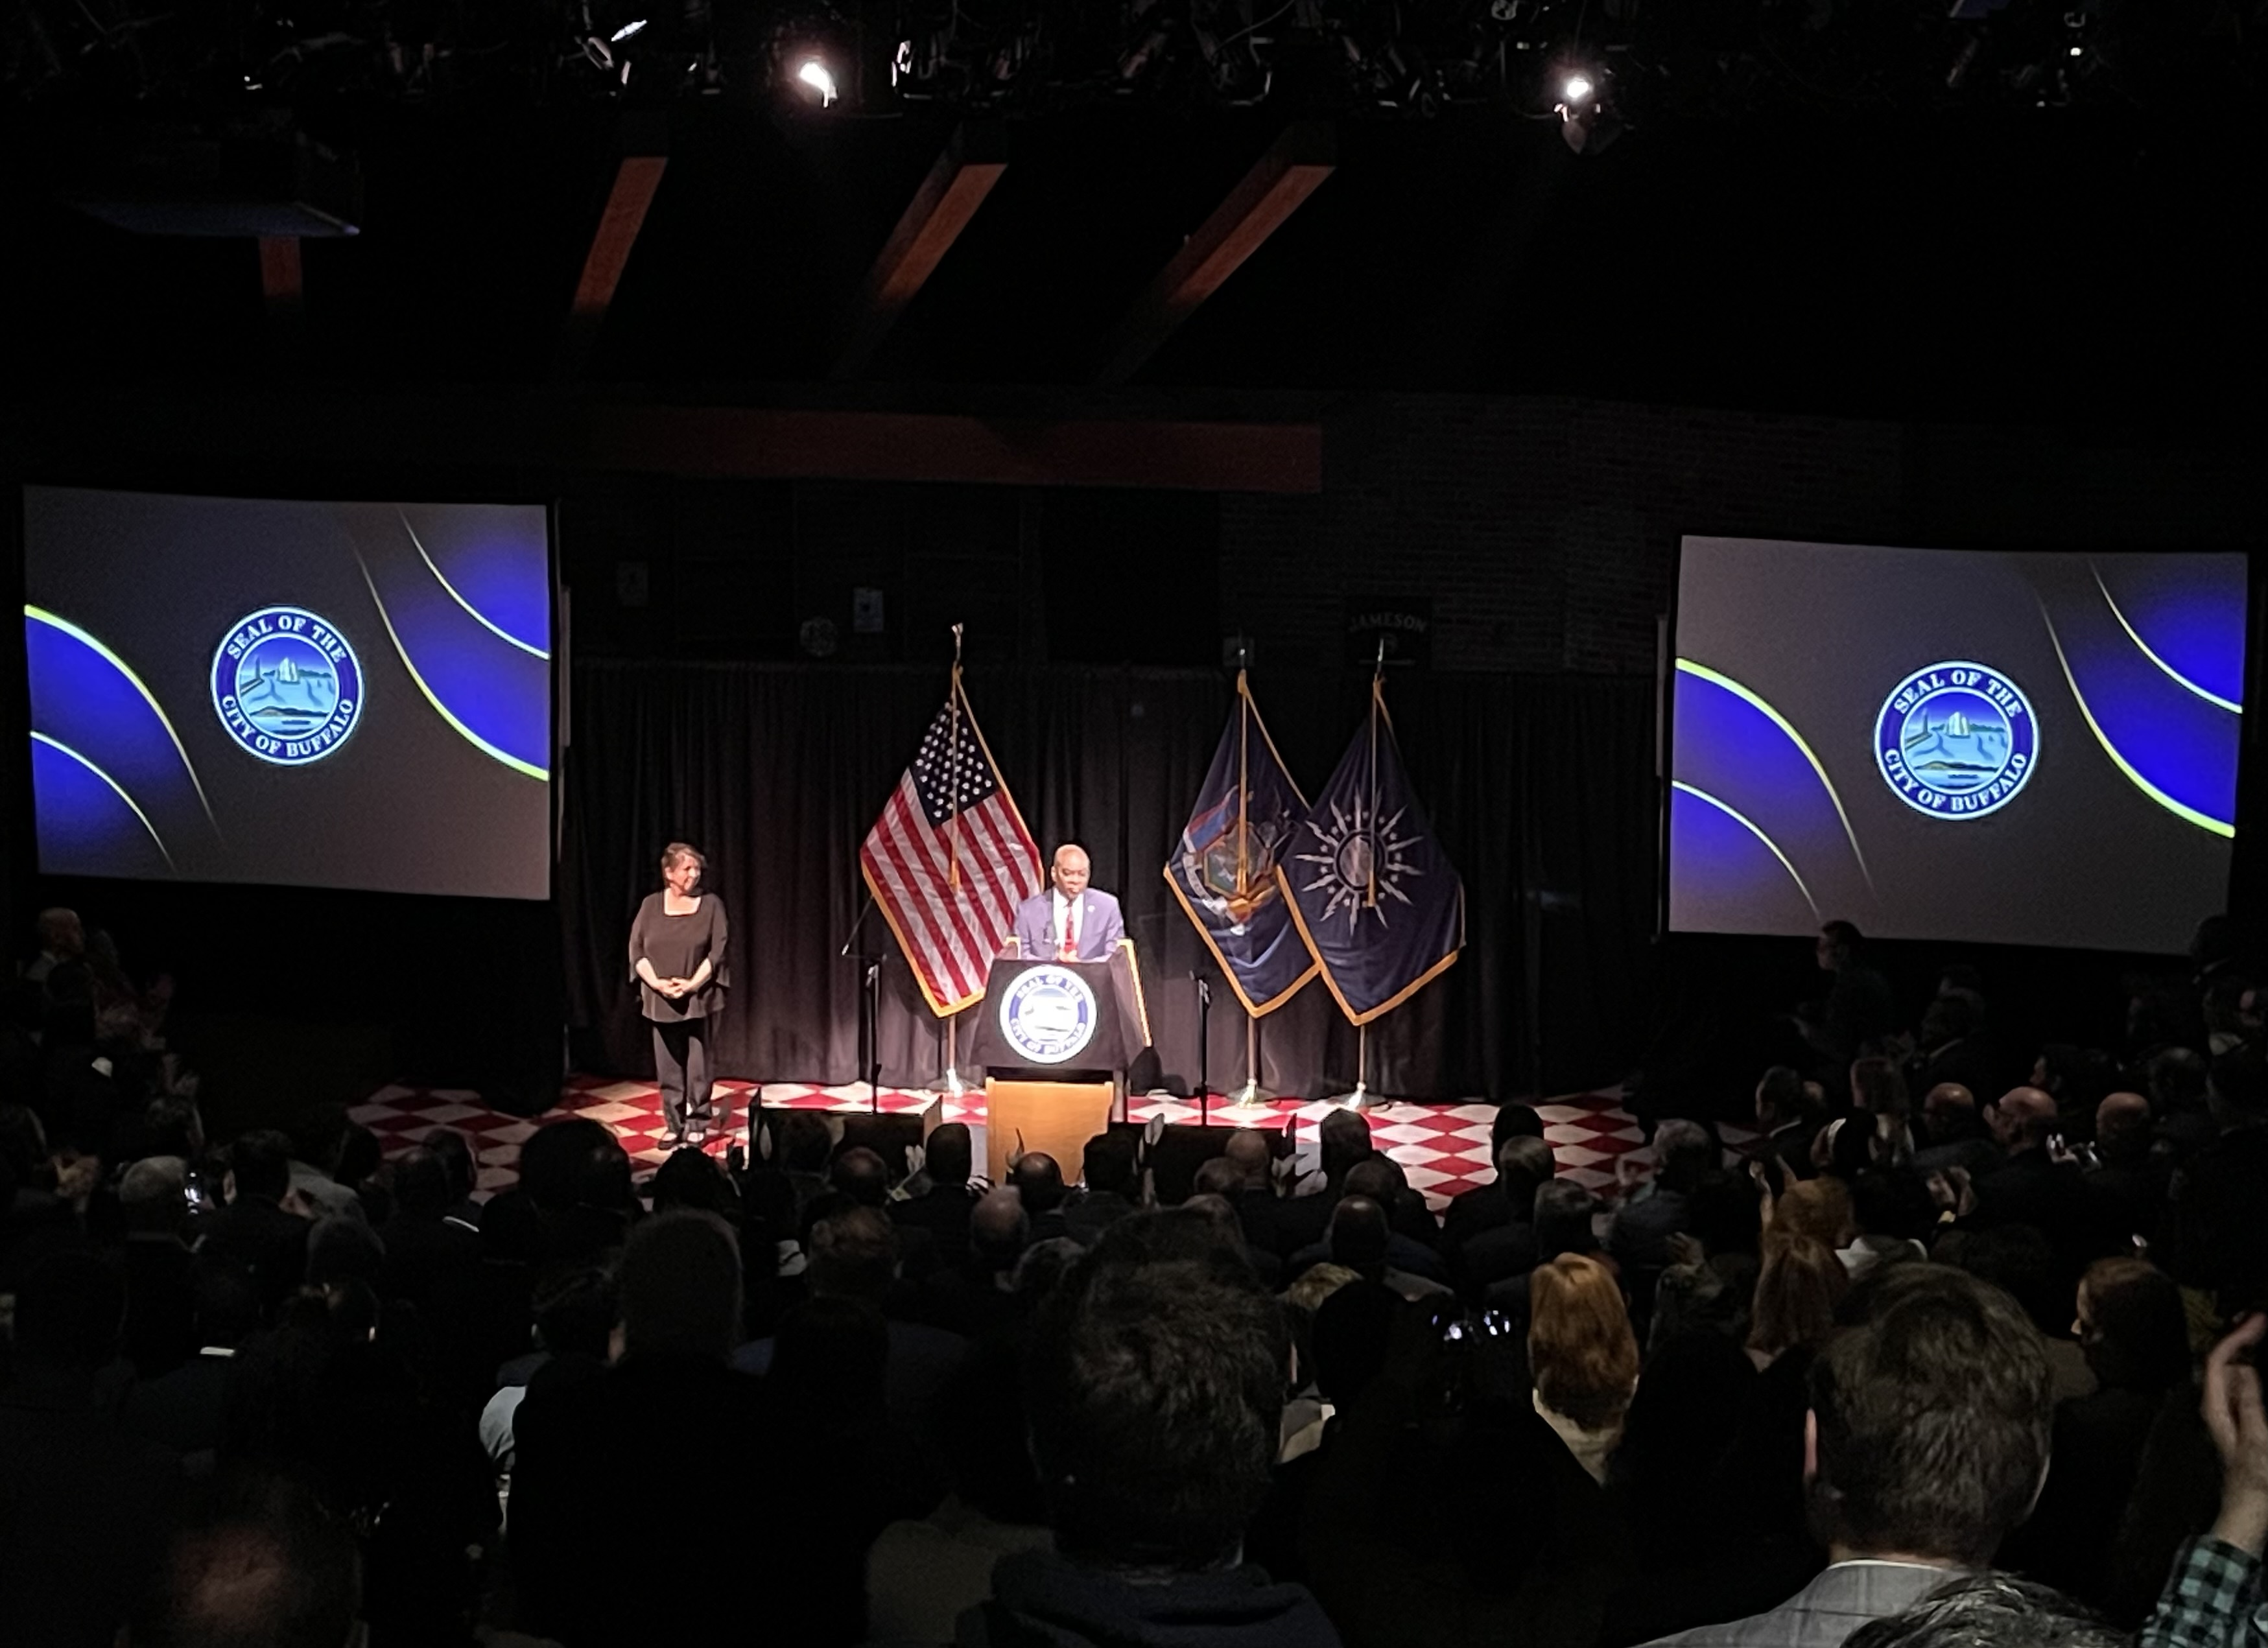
1057,1118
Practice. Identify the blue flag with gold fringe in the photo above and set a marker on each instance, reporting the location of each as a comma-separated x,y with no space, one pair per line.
1224,870
1367,882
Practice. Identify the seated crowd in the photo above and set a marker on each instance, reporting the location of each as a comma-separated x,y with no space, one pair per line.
1937,1358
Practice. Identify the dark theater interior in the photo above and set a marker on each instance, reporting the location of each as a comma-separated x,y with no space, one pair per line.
1090,823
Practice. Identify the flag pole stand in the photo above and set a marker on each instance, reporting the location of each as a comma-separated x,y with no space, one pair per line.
1249,1094
950,1084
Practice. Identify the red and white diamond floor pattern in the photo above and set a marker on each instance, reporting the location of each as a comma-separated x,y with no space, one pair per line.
1444,1148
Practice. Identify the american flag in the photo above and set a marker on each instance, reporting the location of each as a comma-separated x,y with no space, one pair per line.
949,860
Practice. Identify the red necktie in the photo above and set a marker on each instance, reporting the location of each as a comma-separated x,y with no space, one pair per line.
1071,931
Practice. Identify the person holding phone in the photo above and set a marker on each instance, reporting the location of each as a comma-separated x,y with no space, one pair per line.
677,951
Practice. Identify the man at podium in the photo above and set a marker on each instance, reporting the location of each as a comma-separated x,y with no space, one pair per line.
1071,922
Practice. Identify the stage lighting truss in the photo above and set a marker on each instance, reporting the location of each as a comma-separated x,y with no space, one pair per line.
1338,59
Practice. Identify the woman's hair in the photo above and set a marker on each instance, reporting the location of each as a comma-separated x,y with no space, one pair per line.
1580,1344
678,852
2139,1333
1797,1292
1818,1207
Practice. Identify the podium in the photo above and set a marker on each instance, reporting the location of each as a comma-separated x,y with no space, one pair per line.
1055,1039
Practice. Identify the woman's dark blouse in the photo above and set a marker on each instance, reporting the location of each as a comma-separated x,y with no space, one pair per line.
676,945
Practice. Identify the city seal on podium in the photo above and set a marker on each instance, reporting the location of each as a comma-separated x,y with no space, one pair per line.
1048,1015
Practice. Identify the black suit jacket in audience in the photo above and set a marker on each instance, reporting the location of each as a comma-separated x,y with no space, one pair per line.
82,1504
943,1212
161,1276
1508,1250
1482,1208
253,1235
183,1410
631,1482
1401,1253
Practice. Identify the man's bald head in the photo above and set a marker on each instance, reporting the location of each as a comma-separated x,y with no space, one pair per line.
2122,1128
1359,1233
1947,1096
1949,1110
998,1228
2023,1118
1249,1150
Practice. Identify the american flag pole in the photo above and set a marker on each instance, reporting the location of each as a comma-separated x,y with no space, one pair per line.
950,1084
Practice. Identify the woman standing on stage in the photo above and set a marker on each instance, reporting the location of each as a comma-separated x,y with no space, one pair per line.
677,950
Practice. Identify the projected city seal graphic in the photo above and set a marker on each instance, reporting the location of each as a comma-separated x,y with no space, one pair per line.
2033,748
317,695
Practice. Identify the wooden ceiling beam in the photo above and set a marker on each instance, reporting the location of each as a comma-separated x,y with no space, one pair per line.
941,208
1294,168
637,175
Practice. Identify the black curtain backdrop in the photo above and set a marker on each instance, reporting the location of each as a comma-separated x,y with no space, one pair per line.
1542,787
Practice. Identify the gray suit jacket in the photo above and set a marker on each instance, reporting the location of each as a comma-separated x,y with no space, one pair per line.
1100,925
1826,1611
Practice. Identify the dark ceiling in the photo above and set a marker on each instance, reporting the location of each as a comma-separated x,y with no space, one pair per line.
1870,246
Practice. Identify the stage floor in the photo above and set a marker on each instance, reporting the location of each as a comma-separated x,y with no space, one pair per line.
1443,1148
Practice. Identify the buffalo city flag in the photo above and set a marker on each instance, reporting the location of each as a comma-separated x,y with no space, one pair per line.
949,860
1366,881
1223,872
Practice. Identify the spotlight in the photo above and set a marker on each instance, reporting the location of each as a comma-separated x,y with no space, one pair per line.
814,74
1577,89
626,31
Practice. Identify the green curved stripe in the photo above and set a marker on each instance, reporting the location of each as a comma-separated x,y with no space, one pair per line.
479,617
2135,636
1703,795
53,744
440,708
40,614
1780,721
2203,820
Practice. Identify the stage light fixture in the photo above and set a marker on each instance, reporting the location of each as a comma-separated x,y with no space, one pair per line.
1577,89
626,30
814,74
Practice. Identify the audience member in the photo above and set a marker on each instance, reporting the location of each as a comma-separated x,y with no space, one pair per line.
978,1297
586,1460
82,1498
2218,1243
254,1561
2132,1329
1927,1442
1039,1180
1859,1008
1155,1391
1583,1357
1493,1248
252,1231
2213,1597
1954,1133
942,1209
1801,1284
1639,1236
1788,1111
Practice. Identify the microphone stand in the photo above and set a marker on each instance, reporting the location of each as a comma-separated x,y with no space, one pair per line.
870,1007
1205,1052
